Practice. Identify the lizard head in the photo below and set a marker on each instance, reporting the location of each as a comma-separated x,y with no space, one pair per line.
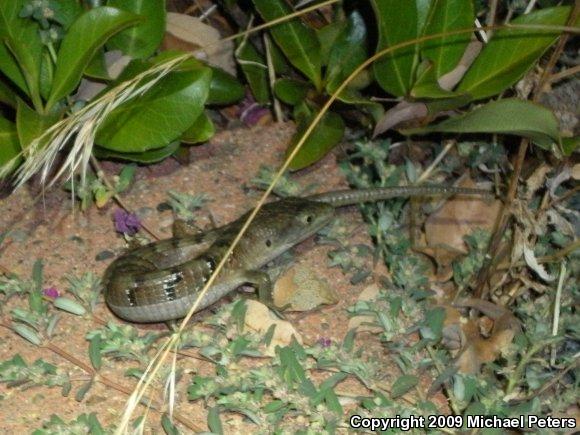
285,223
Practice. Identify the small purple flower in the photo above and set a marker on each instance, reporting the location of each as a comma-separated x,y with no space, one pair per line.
252,113
126,223
51,292
324,341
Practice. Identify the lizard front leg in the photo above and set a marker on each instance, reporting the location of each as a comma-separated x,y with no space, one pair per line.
263,284
182,228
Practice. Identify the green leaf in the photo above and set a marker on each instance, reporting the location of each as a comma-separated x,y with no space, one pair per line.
433,324
438,105
200,131
83,390
159,116
427,85
570,144
7,95
511,53
168,426
27,333
352,96
31,124
10,68
332,402
23,40
254,67
327,35
214,422
38,274
509,116
297,41
66,11
290,368
97,67
291,91
325,136
397,22
348,342
446,16
70,306
142,40
403,384
9,144
126,176
348,51
423,7
89,32
279,62
46,75
224,88
146,157
95,352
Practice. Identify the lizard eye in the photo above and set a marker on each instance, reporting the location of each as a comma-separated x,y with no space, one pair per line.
309,219
268,243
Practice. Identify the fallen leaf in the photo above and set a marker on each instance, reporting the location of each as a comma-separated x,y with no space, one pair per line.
187,33
402,112
259,319
553,183
533,264
457,218
478,350
537,179
453,77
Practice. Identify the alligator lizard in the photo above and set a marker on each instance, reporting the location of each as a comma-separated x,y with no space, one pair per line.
160,281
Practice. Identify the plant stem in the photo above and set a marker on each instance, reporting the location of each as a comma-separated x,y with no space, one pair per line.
501,223
101,175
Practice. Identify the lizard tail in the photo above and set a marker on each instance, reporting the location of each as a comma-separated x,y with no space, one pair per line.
349,197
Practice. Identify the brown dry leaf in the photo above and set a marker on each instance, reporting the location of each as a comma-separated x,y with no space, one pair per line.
449,80
259,319
457,218
575,172
115,62
300,289
402,112
478,350
187,33
563,175
361,322
537,179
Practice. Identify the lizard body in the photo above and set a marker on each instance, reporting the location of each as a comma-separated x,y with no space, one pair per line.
160,281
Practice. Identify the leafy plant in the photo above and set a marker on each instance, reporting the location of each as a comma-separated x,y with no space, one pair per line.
185,205
428,75
95,191
50,51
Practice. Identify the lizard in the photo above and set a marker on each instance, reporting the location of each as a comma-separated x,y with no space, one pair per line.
160,281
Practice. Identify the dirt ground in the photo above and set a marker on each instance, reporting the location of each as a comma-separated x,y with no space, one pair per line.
70,242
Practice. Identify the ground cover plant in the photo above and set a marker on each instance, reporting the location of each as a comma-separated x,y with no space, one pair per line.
441,308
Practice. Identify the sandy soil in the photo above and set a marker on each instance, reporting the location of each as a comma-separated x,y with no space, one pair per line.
71,242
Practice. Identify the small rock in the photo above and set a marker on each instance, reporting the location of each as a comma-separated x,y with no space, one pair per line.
300,289
163,206
104,255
